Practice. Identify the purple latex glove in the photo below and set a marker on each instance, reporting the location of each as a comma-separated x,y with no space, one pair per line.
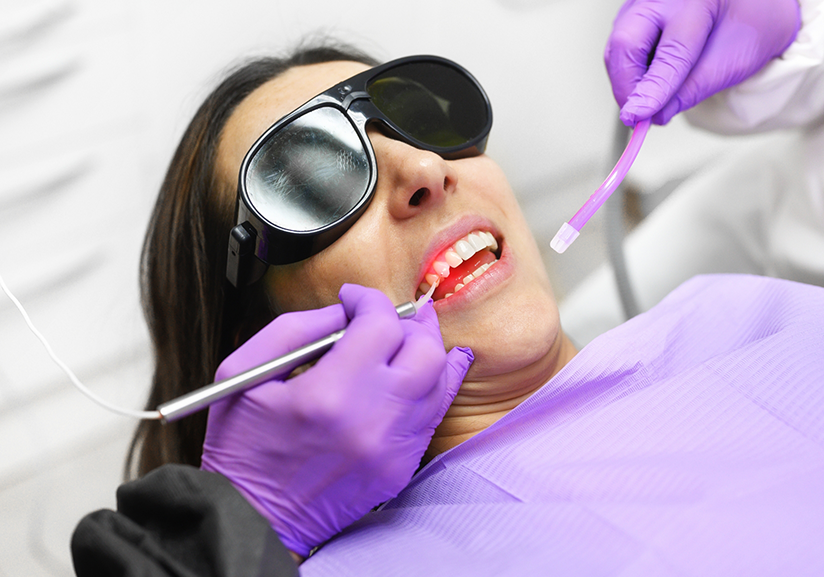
700,47
315,453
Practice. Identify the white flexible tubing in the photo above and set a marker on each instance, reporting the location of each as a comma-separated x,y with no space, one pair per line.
152,415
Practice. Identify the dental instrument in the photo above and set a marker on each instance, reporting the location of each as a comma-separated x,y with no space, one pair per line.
205,396
570,230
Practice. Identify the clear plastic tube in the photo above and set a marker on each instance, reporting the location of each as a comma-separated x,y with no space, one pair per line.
570,230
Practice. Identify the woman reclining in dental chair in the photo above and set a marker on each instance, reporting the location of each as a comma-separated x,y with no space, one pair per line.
686,441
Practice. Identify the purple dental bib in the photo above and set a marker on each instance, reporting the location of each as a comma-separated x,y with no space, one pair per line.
688,441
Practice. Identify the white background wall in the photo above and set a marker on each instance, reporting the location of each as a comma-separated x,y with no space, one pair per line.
93,97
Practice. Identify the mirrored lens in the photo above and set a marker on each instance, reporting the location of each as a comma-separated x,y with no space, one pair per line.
432,102
310,173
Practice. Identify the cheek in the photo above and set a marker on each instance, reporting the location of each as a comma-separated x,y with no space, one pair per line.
357,257
301,286
504,197
489,186
509,334
369,254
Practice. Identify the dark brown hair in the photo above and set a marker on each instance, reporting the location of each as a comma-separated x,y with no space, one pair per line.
195,317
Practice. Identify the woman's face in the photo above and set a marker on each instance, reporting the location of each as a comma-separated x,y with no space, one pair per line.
423,208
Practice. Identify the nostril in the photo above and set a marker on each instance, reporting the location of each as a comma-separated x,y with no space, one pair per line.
418,197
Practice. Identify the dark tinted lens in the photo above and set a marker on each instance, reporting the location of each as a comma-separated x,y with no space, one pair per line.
432,102
310,173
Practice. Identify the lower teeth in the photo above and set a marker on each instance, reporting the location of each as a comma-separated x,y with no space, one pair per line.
468,279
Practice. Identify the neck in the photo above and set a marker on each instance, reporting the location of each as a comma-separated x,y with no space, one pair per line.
483,400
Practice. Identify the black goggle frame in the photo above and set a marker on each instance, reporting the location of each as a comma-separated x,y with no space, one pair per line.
255,242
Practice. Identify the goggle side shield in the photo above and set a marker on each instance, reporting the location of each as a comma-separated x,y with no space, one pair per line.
312,174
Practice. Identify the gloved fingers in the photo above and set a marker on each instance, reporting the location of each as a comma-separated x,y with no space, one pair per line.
458,361
232,419
424,325
360,300
731,55
418,364
374,333
427,317
683,38
701,83
628,50
286,333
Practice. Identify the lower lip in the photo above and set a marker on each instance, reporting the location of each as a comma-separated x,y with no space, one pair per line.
477,288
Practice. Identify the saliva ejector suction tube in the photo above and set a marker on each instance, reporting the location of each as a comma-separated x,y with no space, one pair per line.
570,230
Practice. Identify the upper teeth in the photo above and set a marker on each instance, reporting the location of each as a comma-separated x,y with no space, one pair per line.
462,250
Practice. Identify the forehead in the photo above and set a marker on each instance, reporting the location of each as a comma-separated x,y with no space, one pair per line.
273,100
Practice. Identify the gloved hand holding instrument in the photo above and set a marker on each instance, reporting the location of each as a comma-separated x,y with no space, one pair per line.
665,56
315,453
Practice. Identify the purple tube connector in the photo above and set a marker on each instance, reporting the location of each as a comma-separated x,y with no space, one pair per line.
570,230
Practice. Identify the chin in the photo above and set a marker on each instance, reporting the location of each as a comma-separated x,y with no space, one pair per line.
509,340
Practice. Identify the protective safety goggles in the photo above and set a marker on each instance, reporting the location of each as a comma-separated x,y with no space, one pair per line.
310,176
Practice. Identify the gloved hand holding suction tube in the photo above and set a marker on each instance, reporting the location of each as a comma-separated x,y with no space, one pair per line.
316,453
663,57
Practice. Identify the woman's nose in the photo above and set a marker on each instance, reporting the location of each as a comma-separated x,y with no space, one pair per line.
410,179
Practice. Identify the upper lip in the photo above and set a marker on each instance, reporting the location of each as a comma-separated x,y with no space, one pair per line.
449,236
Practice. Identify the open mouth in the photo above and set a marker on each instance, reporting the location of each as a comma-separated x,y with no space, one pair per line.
460,264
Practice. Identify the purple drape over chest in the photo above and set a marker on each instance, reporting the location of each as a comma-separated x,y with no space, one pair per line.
688,441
